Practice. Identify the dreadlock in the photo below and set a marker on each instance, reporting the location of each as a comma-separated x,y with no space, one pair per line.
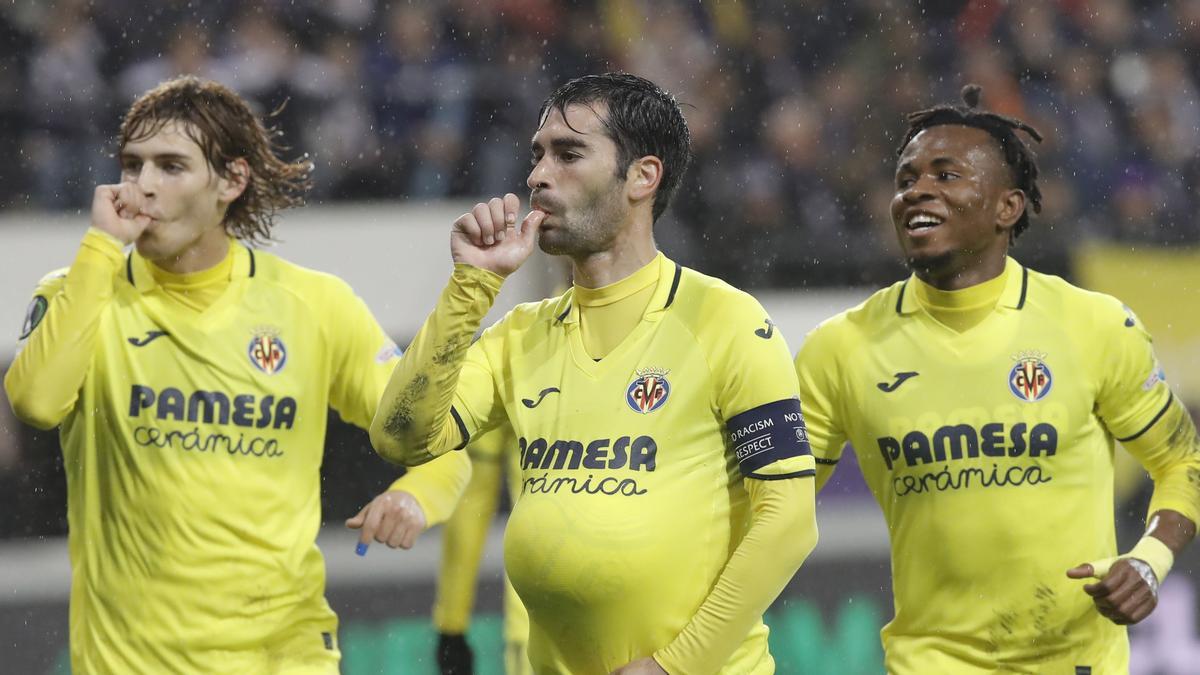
1019,157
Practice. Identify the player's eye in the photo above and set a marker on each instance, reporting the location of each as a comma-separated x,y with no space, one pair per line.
172,167
904,182
130,167
568,157
533,161
947,175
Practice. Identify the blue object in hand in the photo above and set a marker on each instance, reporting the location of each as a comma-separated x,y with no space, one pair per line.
361,549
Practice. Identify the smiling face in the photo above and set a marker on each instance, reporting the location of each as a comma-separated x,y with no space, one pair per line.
574,180
184,196
954,205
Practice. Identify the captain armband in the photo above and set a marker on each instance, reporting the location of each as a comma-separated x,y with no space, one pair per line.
767,434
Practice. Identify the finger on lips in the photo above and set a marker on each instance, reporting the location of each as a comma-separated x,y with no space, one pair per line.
532,221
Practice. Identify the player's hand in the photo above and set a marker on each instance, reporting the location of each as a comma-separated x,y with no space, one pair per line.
646,666
1123,595
118,210
393,518
454,655
493,237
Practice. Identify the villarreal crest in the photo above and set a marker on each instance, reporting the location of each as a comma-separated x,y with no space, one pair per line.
1030,378
266,351
648,391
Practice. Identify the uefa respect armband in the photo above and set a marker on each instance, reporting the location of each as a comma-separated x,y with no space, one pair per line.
764,435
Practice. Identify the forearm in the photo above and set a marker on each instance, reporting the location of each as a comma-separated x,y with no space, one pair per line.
1173,529
437,485
1170,452
414,422
44,380
782,533
462,548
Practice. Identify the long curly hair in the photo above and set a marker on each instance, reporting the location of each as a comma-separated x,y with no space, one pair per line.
225,128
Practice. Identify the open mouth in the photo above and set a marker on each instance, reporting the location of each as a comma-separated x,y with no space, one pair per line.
922,222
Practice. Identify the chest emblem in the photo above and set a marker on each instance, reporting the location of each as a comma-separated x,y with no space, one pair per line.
266,351
1030,378
648,391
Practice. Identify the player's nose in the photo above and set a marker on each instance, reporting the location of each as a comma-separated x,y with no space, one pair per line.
539,176
918,190
147,179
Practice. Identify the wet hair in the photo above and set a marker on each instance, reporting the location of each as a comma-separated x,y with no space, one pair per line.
642,120
222,124
1018,156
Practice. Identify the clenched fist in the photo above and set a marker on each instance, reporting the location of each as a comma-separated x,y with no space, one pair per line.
119,211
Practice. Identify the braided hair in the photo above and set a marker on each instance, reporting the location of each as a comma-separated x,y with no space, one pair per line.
1021,161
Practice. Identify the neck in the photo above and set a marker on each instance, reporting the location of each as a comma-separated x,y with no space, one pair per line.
971,269
210,249
628,254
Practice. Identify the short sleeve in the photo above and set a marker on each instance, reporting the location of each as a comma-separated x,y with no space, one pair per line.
362,356
757,393
816,369
1133,392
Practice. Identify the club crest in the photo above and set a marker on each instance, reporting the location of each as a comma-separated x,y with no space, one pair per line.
1030,378
266,351
648,391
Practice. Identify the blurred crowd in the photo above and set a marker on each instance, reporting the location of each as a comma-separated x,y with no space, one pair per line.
796,106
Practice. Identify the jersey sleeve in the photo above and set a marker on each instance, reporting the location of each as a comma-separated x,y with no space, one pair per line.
1133,391
1138,409
443,390
362,356
58,338
782,533
816,369
757,393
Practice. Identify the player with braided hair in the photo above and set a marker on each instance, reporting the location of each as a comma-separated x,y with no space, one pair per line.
984,401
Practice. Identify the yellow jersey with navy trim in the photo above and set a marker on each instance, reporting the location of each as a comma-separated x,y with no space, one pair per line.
632,466
990,452
192,453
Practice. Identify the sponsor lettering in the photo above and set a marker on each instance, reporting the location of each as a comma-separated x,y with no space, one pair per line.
948,479
959,441
608,485
213,407
214,443
635,454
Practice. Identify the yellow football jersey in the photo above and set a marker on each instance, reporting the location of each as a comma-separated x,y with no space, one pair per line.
632,496
192,453
990,452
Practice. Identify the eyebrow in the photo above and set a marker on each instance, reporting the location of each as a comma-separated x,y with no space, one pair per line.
160,158
563,143
936,162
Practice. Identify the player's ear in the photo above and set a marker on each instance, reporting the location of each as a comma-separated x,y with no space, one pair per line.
234,183
643,177
1009,209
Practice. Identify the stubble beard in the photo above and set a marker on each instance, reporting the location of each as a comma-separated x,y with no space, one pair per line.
591,231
